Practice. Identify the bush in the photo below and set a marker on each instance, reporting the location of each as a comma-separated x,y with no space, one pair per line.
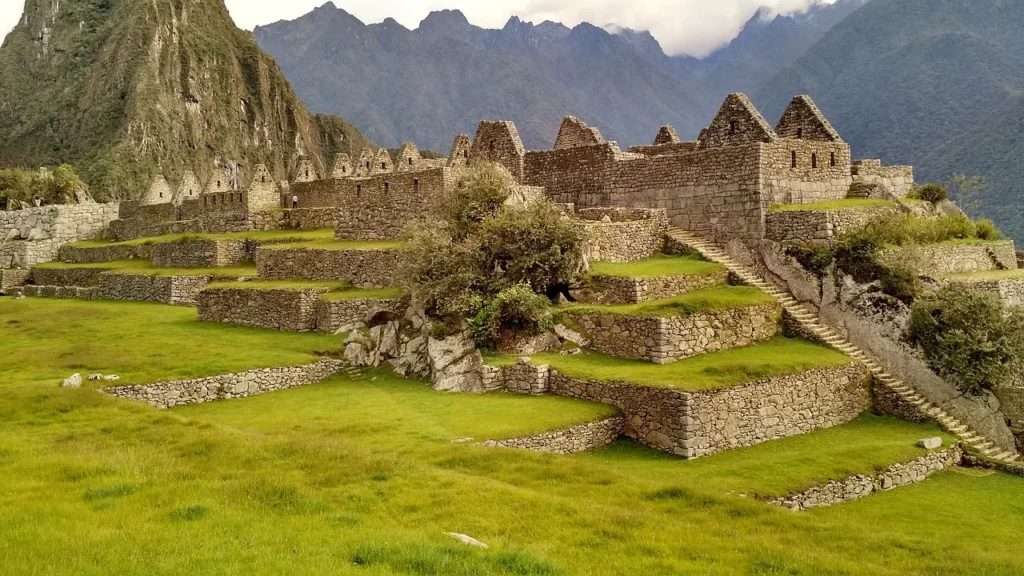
814,257
515,310
985,229
968,337
933,193
478,196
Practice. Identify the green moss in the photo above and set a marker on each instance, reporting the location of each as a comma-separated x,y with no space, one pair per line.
339,245
384,293
777,357
659,266
719,298
296,285
844,204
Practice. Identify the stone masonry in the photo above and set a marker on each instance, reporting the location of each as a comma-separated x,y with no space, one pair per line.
949,259
581,438
199,253
819,226
362,268
625,290
333,315
287,310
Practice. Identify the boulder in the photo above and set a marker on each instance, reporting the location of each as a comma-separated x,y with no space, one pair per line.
112,378
570,335
357,354
930,443
456,365
73,381
533,344
95,377
389,341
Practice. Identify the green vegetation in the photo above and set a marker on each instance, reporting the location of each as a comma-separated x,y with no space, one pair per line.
933,193
717,298
285,236
61,186
146,268
318,479
338,245
658,266
517,310
356,294
843,204
281,285
777,357
968,336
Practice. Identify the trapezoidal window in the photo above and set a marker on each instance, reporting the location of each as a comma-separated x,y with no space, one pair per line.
814,160
307,173
359,190
367,165
387,186
465,154
799,133
383,166
793,159
832,160
734,127
410,161
416,185
263,179
492,146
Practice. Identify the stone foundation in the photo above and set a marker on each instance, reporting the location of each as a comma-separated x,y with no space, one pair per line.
79,292
173,290
628,236
950,259
820,226
289,310
333,315
858,486
99,254
618,290
362,268
199,253
82,277
665,340
582,438
181,392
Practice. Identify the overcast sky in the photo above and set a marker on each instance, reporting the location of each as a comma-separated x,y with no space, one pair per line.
682,26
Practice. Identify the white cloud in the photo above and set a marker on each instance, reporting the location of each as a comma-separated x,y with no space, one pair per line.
682,26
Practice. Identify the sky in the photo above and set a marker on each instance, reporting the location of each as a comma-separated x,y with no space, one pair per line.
694,27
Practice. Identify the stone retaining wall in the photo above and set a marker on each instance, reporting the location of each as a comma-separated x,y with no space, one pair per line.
589,436
99,254
362,268
181,392
819,226
1010,290
522,378
618,290
333,315
949,259
90,293
173,290
898,180
665,340
630,235
289,310
859,486
25,254
697,424
199,253
10,279
59,223
83,277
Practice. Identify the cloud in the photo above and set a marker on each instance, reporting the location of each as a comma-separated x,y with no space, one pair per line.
682,26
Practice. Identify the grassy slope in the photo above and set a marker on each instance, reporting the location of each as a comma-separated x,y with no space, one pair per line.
264,235
844,204
718,298
656,267
776,357
360,476
145,267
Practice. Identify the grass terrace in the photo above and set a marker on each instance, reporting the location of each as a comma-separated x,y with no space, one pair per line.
659,266
339,245
357,294
260,235
843,204
718,298
713,371
361,476
295,285
146,268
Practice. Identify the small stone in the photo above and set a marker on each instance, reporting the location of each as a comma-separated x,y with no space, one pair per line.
468,541
930,443
112,378
607,219
523,361
95,377
74,381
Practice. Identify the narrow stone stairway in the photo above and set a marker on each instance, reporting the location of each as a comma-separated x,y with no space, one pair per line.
810,322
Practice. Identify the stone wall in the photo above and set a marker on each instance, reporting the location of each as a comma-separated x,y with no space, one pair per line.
1010,290
25,254
61,223
289,310
819,226
362,268
173,290
199,253
668,339
949,259
1011,400
83,277
99,254
620,290
859,486
10,279
698,424
181,392
805,171
898,180
630,235
90,293
589,436
521,378
333,315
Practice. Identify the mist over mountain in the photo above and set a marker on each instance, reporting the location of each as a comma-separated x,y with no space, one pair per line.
427,84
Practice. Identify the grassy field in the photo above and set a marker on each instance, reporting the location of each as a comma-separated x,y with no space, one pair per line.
146,268
356,294
777,357
362,476
265,235
339,245
843,204
717,298
659,266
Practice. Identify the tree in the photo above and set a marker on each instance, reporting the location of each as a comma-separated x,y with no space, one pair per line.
967,192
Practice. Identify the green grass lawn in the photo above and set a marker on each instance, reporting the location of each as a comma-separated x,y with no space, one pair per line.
659,266
843,204
361,476
264,235
717,298
339,245
146,268
776,357
281,285
357,294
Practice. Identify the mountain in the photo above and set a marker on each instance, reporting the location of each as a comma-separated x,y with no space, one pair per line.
123,89
427,84
933,83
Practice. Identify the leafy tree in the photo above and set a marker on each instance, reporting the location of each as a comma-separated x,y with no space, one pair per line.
967,192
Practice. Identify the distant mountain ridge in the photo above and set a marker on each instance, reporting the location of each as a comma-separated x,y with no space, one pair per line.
427,84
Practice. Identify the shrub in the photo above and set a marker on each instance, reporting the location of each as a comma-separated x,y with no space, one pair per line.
985,229
478,196
933,193
814,257
517,309
968,336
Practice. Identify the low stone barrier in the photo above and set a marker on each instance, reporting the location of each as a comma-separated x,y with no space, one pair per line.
859,486
24,254
79,292
362,268
667,339
950,259
289,310
181,392
333,315
522,378
199,253
14,278
98,254
82,277
1010,290
822,226
618,290
623,241
173,290
589,436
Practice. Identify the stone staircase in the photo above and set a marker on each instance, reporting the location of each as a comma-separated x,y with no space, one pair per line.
810,322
